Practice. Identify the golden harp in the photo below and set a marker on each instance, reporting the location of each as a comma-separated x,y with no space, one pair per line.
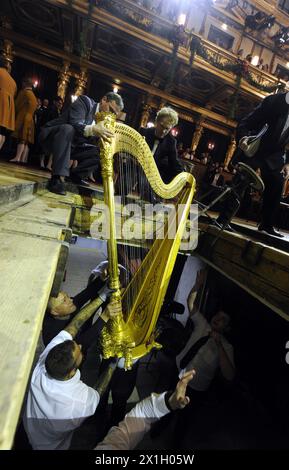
131,333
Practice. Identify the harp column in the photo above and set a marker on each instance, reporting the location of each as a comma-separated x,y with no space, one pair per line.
7,52
146,109
81,82
115,337
231,149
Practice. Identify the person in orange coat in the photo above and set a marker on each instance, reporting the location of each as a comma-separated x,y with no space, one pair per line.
26,105
8,90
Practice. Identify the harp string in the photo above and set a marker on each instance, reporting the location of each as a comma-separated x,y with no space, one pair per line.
133,186
143,297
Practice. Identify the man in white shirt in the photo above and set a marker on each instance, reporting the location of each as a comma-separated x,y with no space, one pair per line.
207,351
216,352
128,434
218,179
58,401
69,137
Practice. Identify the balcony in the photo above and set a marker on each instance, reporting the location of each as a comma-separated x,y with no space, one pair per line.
141,48
159,26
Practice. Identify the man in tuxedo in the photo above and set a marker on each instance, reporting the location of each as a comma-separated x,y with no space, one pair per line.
163,145
72,136
217,179
272,155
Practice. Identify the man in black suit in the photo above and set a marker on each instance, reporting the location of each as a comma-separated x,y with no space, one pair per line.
163,145
272,154
72,135
217,179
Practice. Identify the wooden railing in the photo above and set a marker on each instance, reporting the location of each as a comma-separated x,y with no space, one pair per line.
147,16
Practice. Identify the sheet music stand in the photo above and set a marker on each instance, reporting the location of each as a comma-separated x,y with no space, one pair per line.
245,178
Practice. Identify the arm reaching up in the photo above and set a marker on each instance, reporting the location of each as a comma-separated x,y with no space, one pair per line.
178,399
138,421
104,379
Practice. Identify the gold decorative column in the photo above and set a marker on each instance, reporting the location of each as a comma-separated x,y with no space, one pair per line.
115,337
63,80
230,152
81,82
7,46
146,109
197,135
272,63
7,51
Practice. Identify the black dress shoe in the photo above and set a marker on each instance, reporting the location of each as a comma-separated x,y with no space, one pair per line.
57,187
79,181
270,231
228,228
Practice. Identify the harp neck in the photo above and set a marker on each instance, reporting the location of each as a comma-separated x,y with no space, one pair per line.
130,141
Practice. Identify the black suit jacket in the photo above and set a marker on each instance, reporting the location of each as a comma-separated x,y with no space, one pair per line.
79,114
273,110
165,156
53,113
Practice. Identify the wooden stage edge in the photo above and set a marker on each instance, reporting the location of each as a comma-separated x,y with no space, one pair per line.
261,268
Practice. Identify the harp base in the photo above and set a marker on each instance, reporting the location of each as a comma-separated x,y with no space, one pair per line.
117,341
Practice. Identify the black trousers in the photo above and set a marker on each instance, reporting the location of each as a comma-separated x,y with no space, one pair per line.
273,181
88,160
4,131
184,420
121,387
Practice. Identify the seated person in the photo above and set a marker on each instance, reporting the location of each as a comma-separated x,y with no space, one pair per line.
128,434
217,179
72,135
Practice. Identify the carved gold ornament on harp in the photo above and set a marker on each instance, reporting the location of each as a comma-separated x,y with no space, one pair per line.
130,334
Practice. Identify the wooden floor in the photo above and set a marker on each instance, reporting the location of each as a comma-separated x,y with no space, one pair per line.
34,235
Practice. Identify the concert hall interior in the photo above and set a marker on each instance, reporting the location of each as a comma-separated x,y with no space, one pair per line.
144,224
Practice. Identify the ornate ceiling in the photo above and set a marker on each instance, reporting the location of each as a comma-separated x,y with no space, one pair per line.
118,51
